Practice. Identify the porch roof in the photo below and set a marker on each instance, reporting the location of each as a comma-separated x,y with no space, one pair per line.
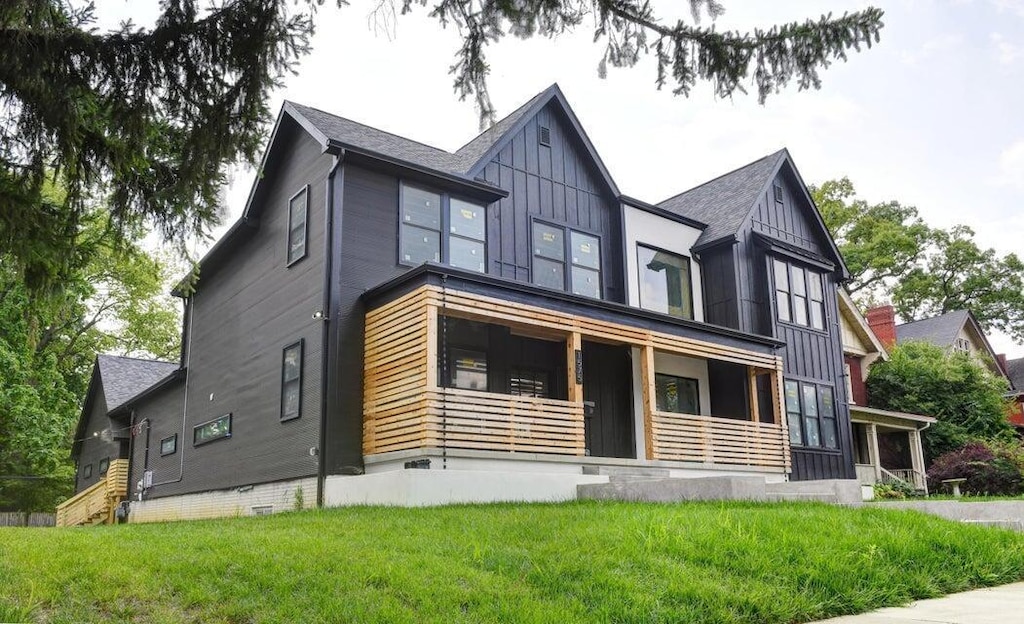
881,416
597,309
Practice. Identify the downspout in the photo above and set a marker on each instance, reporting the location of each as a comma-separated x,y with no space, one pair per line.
325,336
184,403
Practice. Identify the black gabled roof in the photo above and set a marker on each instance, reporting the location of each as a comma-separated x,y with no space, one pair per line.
725,202
939,330
120,379
332,128
125,377
480,146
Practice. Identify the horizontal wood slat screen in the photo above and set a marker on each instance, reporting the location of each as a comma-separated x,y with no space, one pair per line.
710,440
404,408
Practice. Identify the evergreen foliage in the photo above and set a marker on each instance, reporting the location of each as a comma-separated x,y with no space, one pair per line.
148,119
965,397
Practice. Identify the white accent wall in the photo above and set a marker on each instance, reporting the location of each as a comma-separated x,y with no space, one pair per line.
652,230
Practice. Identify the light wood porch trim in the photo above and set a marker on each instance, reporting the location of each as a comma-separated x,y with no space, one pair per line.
405,408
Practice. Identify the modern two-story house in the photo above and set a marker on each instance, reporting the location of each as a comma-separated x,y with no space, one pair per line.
389,322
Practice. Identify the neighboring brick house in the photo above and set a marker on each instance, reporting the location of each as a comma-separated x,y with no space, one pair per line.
1015,371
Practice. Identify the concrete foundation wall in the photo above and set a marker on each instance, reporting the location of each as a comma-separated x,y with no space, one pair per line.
265,497
988,512
420,488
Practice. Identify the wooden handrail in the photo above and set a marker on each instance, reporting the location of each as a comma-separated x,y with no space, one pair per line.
101,496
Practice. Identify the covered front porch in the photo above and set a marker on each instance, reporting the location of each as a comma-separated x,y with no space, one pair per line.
469,366
887,447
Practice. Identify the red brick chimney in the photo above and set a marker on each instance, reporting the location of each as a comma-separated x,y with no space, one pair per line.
883,322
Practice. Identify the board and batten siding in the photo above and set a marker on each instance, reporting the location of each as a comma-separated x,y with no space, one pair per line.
644,228
557,183
246,308
94,448
809,355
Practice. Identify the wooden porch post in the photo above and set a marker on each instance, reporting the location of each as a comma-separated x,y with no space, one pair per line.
755,415
872,431
648,394
574,345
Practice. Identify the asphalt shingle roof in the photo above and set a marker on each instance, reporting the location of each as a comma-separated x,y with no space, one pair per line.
1015,371
939,330
124,377
359,135
725,202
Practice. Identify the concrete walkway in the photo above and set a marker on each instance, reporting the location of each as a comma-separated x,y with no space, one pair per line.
995,605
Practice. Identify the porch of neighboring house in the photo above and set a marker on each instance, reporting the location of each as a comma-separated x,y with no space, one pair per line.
97,504
887,447
466,368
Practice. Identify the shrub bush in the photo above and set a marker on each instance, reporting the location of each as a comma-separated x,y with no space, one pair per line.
992,470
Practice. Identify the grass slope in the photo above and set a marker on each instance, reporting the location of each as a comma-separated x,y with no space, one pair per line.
575,562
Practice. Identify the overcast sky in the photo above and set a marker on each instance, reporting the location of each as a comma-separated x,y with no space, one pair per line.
932,116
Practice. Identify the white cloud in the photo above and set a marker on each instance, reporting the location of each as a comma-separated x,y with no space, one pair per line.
1006,52
1010,170
932,47
1010,6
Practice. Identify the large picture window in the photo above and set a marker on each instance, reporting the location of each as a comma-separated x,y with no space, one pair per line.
216,429
665,282
438,228
799,295
298,207
811,415
291,381
680,395
566,259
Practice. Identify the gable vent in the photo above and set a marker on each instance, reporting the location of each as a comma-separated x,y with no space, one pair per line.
778,192
545,136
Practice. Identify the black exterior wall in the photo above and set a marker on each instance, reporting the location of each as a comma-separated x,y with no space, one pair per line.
96,448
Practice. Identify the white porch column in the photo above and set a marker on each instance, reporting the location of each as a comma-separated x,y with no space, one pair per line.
872,431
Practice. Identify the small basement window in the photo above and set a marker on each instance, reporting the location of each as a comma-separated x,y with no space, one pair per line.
169,445
262,510
211,430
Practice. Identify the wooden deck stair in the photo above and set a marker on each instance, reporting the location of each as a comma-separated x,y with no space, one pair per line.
96,504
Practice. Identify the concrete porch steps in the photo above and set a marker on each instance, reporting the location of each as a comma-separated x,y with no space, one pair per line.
662,489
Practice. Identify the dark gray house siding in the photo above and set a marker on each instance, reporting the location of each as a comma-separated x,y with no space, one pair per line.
248,306
95,448
809,355
557,183
158,416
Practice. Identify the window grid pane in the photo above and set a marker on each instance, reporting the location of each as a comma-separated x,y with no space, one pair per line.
466,220
548,273
467,254
420,245
586,250
586,282
548,241
420,207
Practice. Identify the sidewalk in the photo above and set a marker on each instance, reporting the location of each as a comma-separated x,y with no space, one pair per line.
995,605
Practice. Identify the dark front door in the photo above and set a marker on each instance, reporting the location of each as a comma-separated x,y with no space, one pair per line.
608,394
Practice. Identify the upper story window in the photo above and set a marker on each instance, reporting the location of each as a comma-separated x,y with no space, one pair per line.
665,282
962,345
799,295
298,207
291,381
811,415
438,228
566,259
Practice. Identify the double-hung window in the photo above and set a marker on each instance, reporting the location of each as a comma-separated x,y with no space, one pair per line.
435,227
811,415
665,282
291,381
799,294
566,259
298,207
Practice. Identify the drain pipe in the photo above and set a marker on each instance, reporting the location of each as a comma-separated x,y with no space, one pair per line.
184,410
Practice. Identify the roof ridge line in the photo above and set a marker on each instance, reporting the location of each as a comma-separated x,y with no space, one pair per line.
374,128
716,178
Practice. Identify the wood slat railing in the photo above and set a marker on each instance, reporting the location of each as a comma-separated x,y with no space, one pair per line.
96,503
719,441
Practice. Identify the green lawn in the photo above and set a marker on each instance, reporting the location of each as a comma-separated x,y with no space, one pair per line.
575,562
